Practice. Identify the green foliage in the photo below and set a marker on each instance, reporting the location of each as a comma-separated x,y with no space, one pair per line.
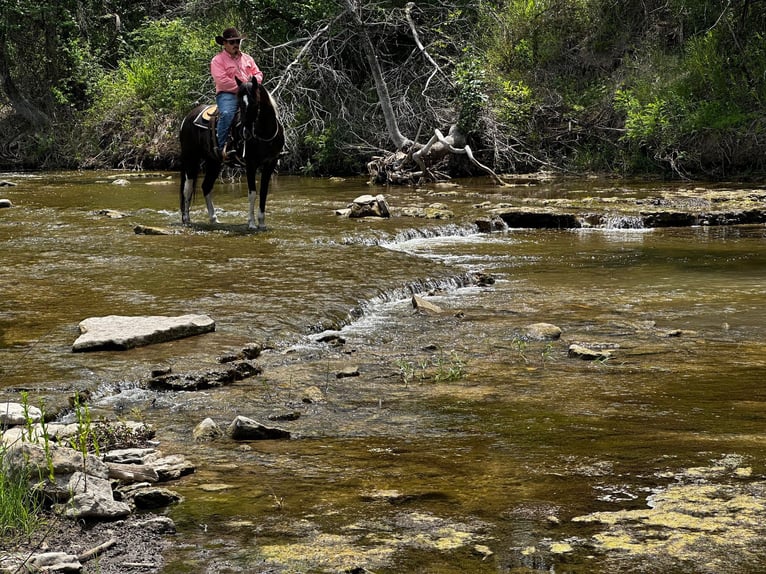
167,71
136,104
470,79
326,154
516,104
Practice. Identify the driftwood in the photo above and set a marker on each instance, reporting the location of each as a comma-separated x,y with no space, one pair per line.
419,164
93,552
132,472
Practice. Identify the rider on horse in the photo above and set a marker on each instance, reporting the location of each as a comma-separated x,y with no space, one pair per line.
229,64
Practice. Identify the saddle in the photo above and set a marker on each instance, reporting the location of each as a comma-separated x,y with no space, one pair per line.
207,119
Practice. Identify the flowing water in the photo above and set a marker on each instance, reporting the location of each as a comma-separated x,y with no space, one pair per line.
463,445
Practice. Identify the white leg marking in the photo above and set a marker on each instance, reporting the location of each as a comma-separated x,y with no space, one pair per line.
210,208
251,195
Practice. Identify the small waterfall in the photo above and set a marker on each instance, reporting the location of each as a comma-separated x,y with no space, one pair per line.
621,222
387,240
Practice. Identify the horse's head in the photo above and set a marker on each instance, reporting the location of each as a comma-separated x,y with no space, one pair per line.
249,95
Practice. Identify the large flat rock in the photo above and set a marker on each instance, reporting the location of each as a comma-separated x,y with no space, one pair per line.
119,333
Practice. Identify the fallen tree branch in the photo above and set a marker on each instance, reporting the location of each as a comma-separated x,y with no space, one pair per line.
448,146
93,552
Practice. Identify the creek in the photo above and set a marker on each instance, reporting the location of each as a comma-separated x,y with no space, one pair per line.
462,445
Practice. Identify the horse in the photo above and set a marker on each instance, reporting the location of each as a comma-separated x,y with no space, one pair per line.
261,139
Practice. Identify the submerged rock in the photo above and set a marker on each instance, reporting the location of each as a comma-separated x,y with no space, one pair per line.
587,354
196,381
543,331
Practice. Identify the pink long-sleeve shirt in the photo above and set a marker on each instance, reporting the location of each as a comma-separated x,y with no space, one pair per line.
224,68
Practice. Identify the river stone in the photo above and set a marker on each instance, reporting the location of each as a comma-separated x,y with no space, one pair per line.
93,499
422,304
35,458
438,211
207,430
12,414
5,203
369,206
169,467
243,428
155,497
119,333
543,331
586,354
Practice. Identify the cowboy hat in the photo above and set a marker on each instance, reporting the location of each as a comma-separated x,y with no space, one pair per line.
229,34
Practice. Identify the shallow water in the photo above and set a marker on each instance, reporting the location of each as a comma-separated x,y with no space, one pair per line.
462,446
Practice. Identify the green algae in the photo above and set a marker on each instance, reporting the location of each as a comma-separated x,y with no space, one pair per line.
712,517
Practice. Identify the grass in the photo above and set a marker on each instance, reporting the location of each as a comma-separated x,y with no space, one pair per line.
20,510
445,367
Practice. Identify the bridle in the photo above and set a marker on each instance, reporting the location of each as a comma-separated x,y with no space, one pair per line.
248,129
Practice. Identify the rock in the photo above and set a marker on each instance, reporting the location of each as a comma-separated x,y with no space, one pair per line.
61,460
349,371
111,213
482,279
155,497
119,333
169,467
207,430
586,354
293,416
334,339
128,455
543,331
249,352
312,394
147,230
243,428
93,498
368,206
537,218
207,379
421,304
438,211
5,203
6,183
12,414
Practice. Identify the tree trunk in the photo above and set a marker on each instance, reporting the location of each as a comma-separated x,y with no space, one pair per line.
384,97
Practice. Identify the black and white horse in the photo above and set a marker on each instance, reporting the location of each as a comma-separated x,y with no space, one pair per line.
261,139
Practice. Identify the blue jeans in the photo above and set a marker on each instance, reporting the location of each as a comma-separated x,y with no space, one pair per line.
227,108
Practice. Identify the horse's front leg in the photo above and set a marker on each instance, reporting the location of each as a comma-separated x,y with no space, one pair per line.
252,193
211,208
